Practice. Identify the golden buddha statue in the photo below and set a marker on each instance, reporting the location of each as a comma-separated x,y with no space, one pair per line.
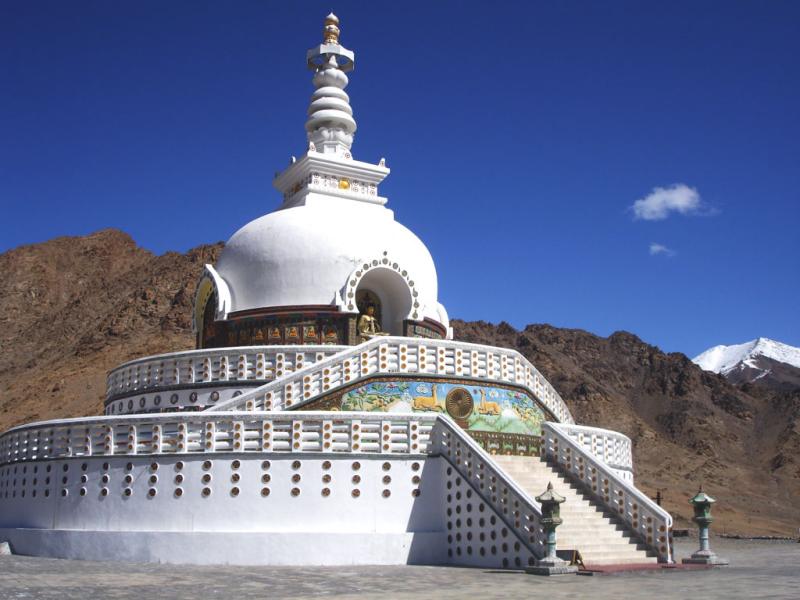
368,325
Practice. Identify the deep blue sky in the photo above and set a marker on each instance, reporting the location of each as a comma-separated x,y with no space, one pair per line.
519,136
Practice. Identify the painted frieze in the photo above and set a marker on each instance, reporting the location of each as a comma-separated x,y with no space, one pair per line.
502,420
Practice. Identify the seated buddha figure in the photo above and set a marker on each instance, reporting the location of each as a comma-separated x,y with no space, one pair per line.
368,325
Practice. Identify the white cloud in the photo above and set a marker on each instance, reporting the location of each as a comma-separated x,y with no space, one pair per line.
659,203
656,249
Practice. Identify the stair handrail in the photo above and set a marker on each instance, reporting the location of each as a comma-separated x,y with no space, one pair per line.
309,382
503,495
611,447
641,515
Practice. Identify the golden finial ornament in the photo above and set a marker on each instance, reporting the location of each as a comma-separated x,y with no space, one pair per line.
331,31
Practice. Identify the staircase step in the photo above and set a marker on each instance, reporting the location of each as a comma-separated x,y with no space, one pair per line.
588,543
647,560
589,527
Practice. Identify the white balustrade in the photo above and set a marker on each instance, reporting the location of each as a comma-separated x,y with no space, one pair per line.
643,516
247,363
611,447
208,432
392,355
357,433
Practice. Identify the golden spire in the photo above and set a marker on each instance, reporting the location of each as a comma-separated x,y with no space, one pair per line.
331,31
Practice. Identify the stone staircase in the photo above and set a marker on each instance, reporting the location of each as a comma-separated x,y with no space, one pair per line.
587,527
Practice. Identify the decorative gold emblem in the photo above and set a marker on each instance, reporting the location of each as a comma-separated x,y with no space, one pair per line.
330,34
459,403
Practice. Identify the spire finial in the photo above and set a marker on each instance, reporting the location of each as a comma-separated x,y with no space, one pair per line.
330,33
330,125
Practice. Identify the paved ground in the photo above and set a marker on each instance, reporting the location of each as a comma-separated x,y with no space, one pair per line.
758,570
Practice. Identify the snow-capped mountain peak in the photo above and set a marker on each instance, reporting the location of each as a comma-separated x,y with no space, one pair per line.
725,359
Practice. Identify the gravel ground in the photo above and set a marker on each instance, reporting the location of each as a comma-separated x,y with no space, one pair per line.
759,569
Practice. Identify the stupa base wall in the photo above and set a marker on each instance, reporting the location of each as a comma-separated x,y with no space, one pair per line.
233,548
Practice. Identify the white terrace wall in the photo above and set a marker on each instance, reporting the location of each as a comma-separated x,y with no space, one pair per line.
276,509
309,489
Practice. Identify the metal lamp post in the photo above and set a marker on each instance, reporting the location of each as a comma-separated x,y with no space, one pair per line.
702,516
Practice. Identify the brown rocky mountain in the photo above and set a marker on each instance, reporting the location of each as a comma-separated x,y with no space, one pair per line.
766,372
72,308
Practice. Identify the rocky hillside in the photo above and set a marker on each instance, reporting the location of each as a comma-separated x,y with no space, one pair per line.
72,308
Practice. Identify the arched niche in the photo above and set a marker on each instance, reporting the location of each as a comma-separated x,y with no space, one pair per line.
393,297
209,328
211,301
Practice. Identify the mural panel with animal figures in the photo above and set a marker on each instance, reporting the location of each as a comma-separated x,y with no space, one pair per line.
500,419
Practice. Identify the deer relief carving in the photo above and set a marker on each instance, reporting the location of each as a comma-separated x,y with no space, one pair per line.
427,402
486,407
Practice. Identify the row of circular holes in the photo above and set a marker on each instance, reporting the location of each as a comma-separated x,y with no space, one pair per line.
7,473
517,514
481,523
173,399
492,488
234,479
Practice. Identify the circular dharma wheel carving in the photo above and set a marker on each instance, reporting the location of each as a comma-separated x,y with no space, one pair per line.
459,404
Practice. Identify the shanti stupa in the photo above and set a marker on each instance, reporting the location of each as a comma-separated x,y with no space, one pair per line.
327,416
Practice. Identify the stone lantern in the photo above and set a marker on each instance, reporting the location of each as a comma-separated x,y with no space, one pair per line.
551,518
702,516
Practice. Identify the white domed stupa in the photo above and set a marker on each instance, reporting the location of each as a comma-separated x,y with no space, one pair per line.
329,250
327,417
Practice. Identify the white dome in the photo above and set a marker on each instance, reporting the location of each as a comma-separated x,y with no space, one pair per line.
305,256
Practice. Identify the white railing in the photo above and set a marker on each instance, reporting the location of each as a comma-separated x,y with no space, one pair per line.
348,432
642,516
246,363
404,356
207,432
514,506
611,447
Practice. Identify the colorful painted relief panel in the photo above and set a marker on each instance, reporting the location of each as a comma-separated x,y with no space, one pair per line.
500,419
